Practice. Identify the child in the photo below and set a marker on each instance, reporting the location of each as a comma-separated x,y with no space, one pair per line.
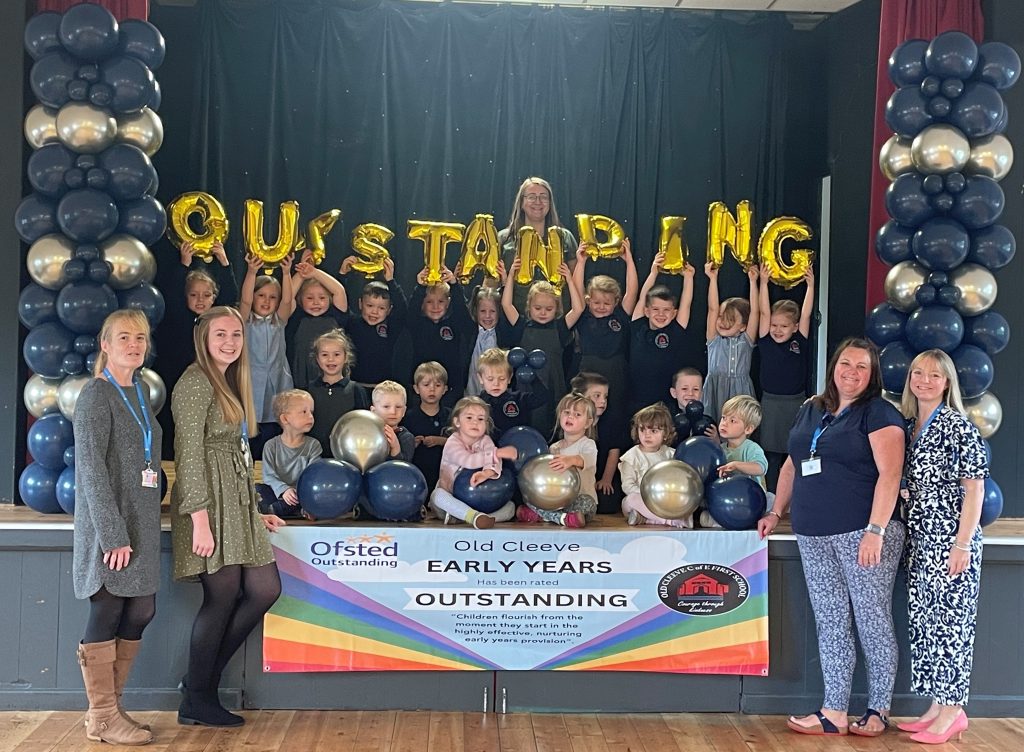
428,420
741,415
732,334
334,394
543,328
322,305
687,387
266,305
785,352
509,408
375,331
610,439
576,449
653,432
470,446
438,328
658,338
287,455
388,401
203,285
483,308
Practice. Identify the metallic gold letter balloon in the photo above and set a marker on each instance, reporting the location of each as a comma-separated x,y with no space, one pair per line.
726,230
287,231
769,248
212,215
368,243
480,249
316,231
672,243
590,225
533,254
435,236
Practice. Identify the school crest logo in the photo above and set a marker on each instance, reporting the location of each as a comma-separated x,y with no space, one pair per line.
447,334
661,340
382,330
794,347
703,589
614,325
511,410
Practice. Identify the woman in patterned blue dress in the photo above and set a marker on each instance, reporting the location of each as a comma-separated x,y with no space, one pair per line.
944,472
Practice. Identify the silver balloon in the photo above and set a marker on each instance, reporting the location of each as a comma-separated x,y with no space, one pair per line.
940,149
41,126
68,391
546,488
901,284
157,390
894,157
84,128
672,489
46,259
358,437
143,129
133,262
978,288
991,156
41,395
985,412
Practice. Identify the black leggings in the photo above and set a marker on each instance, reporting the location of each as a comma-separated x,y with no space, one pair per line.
234,600
112,616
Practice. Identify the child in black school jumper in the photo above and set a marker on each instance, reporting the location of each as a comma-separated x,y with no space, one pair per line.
509,407
428,419
334,393
322,306
440,326
375,331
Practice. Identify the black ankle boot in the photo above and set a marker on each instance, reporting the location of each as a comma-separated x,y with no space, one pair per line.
204,709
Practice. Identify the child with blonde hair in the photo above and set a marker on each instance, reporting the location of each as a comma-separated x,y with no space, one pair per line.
732,332
509,407
322,306
741,415
485,310
439,328
287,455
653,431
388,400
428,419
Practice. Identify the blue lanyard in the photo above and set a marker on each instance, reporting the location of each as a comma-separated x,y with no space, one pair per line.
827,420
144,424
928,422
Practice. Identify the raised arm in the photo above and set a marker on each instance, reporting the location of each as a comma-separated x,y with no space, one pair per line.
579,271
659,259
248,285
632,284
807,309
755,310
334,288
507,306
764,306
575,296
712,321
287,307
686,299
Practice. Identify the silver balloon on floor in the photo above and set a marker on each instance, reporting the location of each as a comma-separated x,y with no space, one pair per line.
358,437
548,489
672,489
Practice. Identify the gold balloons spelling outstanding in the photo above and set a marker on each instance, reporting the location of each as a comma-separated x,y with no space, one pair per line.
590,225
480,249
368,244
435,236
724,229
535,254
672,243
287,231
212,215
770,250
316,231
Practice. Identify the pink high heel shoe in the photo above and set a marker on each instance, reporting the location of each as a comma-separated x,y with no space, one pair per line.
914,726
956,728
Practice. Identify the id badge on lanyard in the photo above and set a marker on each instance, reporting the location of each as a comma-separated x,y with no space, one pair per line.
812,465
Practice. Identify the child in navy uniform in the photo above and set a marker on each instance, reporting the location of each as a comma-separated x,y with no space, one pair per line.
388,401
322,306
428,419
334,393
440,326
375,331
687,387
611,440
509,407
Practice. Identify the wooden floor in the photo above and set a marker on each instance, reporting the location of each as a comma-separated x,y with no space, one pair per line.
424,731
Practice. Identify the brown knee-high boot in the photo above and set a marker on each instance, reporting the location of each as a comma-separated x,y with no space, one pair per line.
104,721
126,652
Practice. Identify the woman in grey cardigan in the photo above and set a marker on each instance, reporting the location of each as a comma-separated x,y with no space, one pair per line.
117,522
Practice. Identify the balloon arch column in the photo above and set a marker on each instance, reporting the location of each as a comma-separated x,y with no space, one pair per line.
88,221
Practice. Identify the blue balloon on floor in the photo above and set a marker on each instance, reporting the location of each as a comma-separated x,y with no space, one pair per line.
991,502
487,497
737,502
702,454
65,490
396,491
48,438
529,443
885,324
974,370
329,488
37,487
45,347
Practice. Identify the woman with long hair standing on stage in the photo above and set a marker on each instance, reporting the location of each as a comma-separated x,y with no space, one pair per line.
945,475
117,522
219,537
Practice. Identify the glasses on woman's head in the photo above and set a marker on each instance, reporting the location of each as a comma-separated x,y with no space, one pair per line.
537,198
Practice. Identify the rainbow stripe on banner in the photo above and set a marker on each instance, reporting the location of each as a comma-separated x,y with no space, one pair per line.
430,599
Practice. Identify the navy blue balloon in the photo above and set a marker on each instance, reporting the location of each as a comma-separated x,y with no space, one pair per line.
47,439
930,85
528,441
948,295
131,173
906,63
701,425
1004,121
65,490
932,184
536,359
154,186
988,451
939,107
993,247
941,202
955,182
702,454
88,31
157,100
101,94
926,295
36,305
87,252
895,359
998,65
525,375
75,178
682,426
938,279
35,216
130,81
144,219
78,90
73,364
98,179
981,204
516,357
41,34
90,360
69,456
89,73
50,76
952,54
941,243
75,270
83,306
145,298
37,487
952,88
487,497
46,168
396,491
892,242
934,326
974,369
85,344
329,488
990,331
906,201
737,502
44,348
906,112
885,324
991,503
99,271
694,410
87,215
976,112
142,40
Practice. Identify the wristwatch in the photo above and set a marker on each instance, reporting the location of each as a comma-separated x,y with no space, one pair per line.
876,529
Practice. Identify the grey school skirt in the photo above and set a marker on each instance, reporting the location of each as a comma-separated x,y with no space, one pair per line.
779,412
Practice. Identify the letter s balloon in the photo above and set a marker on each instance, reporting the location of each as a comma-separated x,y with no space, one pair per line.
368,244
